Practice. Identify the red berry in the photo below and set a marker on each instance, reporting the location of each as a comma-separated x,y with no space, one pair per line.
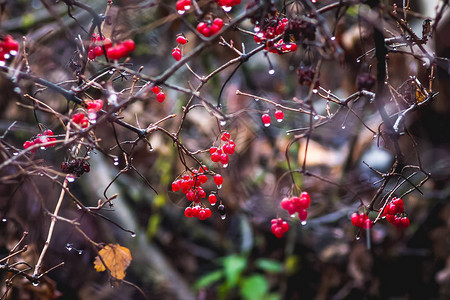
265,119
218,22
355,219
390,218
195,211
98,51
212,199
160,97
284,226
218,179
155,89
181,39
202,214
176,53
215,157
225,136
224,159
279,115
202,179
368,224
48,132
190,195
302,215
114,53
129,45
212,150
285,202
176,185
27,144
404,222
188,212
78,118
91,55
107,43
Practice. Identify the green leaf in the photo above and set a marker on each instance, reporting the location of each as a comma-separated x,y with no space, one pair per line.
254,287
209,279
269,265
233,266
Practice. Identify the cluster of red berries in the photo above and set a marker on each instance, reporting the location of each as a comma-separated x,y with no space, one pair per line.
274,28
42,138
361,220
197,212
80,119
209,28
8,47
176,52
394,213
160,96
298,205
95,47
220,154
279,227
76,167
182,6
265,118
228,4
190,185
121,49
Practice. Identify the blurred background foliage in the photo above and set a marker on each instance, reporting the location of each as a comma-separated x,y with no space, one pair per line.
236,258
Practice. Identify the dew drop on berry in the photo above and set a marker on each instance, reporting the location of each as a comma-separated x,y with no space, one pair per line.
257,29
266,124
223,217
223,123
358,60
16,153
181,12
133,234
333,38
70,178
271,71
219,186
358,237
226,8
116,161
187,7
6,56
224,166
314,91
316,117
80,252
4,220
303,223
343,127
13,52
256,99
292,216
69,247
35,283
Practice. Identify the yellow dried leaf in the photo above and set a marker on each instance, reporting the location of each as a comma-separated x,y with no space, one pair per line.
116,258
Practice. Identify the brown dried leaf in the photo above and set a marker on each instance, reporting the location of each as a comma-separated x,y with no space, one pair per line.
116,258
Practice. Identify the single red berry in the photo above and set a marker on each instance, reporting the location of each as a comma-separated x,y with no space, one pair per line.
392,209
188,212
368,224
278,232
390,218
302,215
279,115
355,219
202,179
48,132
129,45
155,89
181,39
160,97
114,53
218,22
284,226
224,159
212,199
404,222
195,211
27,144
215,156
202,214
176,185
218,179
91,55
212,150
78,118
176,53
266,120
225,136
285,203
